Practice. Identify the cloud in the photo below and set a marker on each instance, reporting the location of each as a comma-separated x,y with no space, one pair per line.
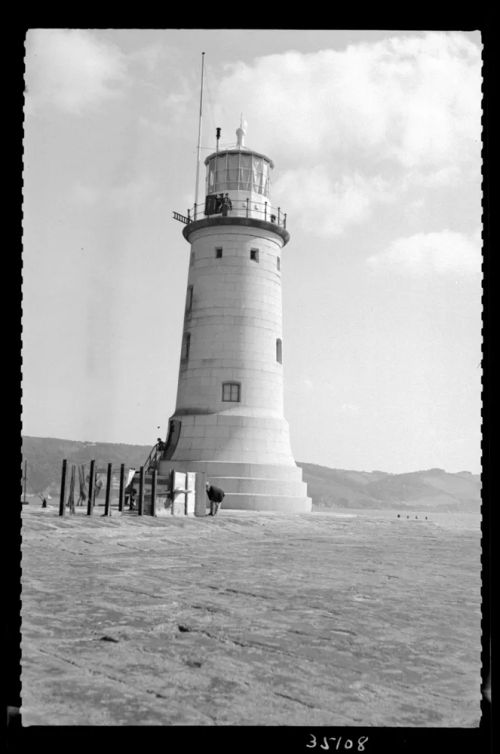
70,69
362,126
438,178
86,195
336,202
443,252
120,197
349,408
311,194
414,100
151,56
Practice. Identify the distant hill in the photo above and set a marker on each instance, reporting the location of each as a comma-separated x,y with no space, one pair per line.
45,455
329,488
433,488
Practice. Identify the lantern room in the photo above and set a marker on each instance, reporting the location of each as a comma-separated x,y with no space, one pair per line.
238,181
238,170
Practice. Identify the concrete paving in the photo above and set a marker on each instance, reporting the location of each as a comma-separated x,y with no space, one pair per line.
249,619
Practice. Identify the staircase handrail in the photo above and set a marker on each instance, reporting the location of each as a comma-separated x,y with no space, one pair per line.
152,457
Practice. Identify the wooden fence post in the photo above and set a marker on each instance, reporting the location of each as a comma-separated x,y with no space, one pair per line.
140,505
153,492
90,501
186,494
107,510
62,504
172,490
121,494
71,496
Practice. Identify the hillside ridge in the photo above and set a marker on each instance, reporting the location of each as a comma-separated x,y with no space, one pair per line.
329,488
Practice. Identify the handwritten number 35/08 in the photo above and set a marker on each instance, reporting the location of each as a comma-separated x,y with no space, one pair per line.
348,743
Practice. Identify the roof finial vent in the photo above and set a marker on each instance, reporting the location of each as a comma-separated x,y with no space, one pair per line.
241,133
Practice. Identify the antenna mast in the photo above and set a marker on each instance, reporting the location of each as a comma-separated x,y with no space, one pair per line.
199,136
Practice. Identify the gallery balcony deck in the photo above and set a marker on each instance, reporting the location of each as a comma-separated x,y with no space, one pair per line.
239,212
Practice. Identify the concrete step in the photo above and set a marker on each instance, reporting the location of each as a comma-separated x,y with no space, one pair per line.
249,493
231,469
277,503
260,486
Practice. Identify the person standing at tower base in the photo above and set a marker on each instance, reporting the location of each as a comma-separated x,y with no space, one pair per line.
216,496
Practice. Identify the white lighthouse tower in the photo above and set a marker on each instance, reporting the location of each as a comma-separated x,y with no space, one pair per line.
228,420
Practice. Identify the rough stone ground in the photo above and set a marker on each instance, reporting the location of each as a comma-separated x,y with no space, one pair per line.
249,619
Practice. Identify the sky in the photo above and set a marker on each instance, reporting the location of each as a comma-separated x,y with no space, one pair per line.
376,141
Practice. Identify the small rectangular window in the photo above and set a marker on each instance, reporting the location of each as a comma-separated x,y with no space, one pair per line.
218,252
279,355
231,391
186,342
189,299
254,255
278,263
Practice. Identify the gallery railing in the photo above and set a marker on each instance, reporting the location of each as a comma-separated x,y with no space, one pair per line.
234,208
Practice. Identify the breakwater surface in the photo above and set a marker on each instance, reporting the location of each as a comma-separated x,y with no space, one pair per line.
250,619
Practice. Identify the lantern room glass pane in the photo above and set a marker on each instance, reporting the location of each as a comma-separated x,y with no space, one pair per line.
220,173
256,172
264,183
211,177
232,171
245,172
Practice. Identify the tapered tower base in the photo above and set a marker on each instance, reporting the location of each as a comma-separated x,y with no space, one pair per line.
252,487
249,457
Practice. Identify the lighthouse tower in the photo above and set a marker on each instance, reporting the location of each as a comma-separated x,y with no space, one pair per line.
228,420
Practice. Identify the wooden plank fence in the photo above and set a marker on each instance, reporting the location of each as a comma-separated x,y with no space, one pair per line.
177,493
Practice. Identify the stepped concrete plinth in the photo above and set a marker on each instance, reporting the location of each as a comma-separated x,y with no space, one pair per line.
259,487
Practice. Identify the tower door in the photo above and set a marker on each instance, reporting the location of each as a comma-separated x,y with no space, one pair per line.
174,431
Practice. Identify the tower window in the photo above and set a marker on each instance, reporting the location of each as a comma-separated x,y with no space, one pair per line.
192,257
278,263
231,391
254,255
218,252
279,356
189,299
186,343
